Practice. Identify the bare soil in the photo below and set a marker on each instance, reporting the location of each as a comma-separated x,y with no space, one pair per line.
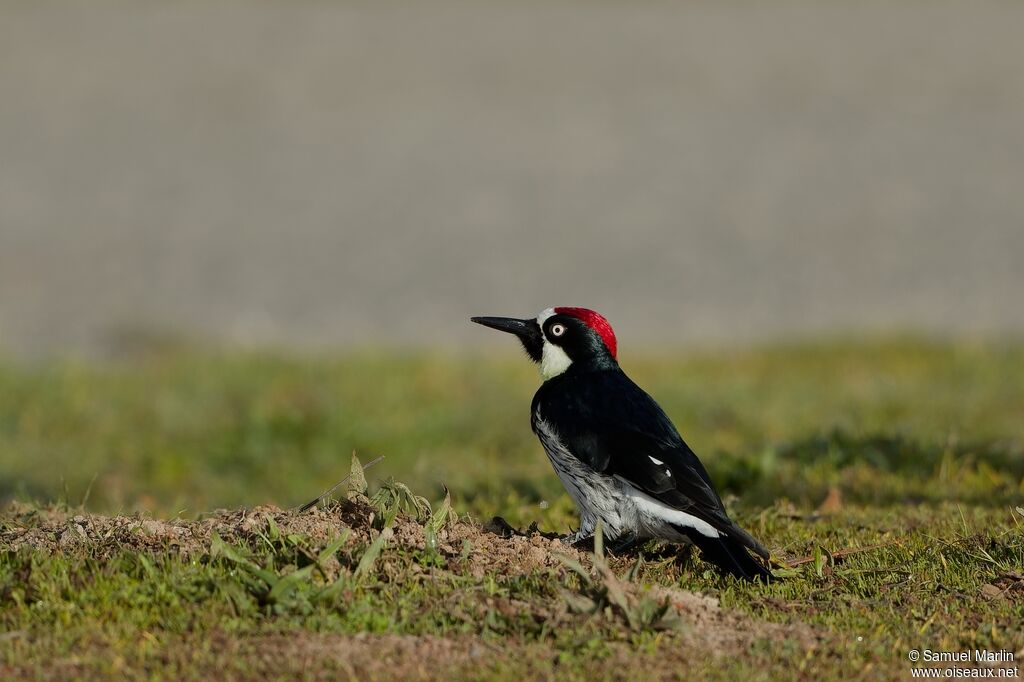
468,548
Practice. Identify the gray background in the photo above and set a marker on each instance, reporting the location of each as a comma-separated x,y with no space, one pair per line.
322,173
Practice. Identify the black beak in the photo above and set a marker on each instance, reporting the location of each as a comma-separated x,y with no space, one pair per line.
528,332
506,324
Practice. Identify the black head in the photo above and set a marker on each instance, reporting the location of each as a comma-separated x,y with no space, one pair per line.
561,337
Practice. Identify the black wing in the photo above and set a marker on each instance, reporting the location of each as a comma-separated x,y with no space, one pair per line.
613,426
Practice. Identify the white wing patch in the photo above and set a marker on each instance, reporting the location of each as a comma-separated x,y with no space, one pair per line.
649,506
668,472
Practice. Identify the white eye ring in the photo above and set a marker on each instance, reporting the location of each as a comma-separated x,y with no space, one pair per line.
557,329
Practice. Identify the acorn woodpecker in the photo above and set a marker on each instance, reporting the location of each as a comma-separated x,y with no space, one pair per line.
616,451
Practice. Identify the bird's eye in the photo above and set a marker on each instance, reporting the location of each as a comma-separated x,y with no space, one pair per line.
557,329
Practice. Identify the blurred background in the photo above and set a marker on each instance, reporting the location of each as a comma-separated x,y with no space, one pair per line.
327,173
323,175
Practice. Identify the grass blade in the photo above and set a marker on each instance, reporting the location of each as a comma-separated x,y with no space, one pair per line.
333,546
372,552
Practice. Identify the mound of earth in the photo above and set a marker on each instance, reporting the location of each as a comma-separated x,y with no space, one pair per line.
494,547
701,626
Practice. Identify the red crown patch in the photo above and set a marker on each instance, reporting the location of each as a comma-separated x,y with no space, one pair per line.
595,321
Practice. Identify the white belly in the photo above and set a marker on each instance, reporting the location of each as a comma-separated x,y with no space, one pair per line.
623,511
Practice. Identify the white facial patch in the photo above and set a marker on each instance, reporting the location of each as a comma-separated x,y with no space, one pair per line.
544,316
553,360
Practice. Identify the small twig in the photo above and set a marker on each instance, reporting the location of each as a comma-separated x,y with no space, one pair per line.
841,554
312,503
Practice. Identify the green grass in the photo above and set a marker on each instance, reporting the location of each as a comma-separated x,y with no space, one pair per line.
923,440
193,431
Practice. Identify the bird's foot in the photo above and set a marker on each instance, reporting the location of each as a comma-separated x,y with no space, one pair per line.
580,540
625,545
585,542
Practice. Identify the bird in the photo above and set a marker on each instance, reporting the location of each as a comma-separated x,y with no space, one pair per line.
617,453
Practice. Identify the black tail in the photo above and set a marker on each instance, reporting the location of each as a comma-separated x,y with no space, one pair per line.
730,556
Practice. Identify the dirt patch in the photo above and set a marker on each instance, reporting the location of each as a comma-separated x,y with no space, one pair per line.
468,549
323,656
364,656
710,628
478,550
285,656
387,657
1009,585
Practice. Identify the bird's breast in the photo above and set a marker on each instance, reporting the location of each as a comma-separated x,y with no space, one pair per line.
597,496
